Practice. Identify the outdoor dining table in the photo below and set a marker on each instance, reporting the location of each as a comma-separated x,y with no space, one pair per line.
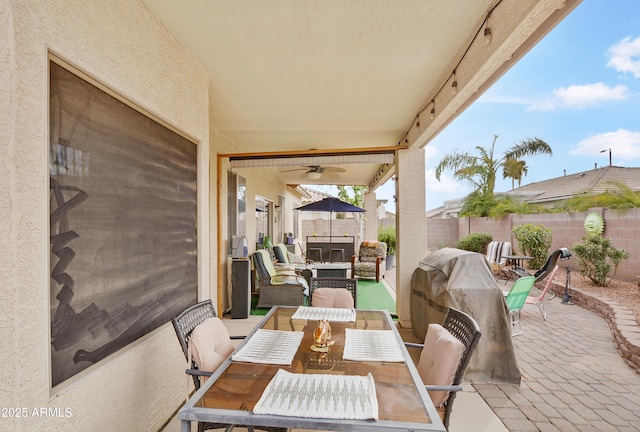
233,392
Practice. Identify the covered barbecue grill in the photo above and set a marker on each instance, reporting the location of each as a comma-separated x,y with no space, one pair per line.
463,280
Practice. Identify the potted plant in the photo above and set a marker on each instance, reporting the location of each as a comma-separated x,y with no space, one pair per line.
388,236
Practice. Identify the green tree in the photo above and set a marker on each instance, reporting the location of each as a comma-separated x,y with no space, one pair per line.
535,241
506,205
354,195
618,196
515,170
481,171
596,255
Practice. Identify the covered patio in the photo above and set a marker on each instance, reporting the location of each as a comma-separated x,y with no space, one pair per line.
269,95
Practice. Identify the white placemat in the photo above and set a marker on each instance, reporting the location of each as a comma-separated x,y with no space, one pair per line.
323,396
371,345
270,346
330,314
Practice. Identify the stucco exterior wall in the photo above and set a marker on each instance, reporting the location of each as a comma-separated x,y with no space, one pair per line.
121,44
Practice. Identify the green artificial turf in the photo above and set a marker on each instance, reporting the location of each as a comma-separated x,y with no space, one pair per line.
374,295
371,295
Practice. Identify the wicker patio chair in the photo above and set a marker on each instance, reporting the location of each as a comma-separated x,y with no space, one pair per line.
465,332
184,324
281,253
277,288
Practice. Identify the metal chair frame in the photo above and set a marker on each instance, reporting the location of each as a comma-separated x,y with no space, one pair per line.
561,254
539,300
184,323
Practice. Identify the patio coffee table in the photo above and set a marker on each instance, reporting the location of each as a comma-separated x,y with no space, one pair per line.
331,270
232,392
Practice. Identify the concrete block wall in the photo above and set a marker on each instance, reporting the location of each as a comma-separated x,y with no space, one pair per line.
622,226
441,232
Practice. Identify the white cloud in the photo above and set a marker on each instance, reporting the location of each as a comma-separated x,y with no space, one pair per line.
625,56
431,151
548,104
581,96
624,145
446,185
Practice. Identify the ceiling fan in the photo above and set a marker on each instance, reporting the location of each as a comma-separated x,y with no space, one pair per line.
315,172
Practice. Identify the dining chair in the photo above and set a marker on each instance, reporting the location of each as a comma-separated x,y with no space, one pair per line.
334,292
516,298
206,344
445,355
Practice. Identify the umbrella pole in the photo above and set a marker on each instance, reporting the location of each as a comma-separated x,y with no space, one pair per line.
330,233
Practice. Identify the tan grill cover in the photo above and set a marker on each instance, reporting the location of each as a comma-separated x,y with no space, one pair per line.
463,280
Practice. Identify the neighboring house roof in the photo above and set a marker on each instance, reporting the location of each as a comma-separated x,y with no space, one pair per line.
435,213
556,189
314,195
597,180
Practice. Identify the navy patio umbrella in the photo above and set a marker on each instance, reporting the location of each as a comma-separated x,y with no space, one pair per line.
331,205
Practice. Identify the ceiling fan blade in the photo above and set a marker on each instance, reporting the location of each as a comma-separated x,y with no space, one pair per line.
330,174
334,169
296,169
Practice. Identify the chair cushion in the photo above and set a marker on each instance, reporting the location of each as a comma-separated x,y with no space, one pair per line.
332,298
210,345
496,250
365,269
439,360
371,249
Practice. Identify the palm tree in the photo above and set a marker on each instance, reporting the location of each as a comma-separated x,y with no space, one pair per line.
481,171
515,170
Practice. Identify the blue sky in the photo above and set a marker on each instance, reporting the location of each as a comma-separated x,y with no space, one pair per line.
578,89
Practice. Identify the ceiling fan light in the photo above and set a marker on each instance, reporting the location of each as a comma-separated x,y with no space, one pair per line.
313,175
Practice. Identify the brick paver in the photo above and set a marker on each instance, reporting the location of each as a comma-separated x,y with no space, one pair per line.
573,377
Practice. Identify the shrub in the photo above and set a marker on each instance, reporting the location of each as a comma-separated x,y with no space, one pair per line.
476,242
534,241
388,235
593,252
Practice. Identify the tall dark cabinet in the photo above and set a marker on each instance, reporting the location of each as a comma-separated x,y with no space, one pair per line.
240,288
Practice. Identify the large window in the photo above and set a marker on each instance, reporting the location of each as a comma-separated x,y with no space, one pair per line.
263,219
236,208
123,222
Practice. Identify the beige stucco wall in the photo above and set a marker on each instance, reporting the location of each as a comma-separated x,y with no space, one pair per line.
120,43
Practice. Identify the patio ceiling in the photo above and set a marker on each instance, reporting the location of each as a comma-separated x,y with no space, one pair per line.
305,77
